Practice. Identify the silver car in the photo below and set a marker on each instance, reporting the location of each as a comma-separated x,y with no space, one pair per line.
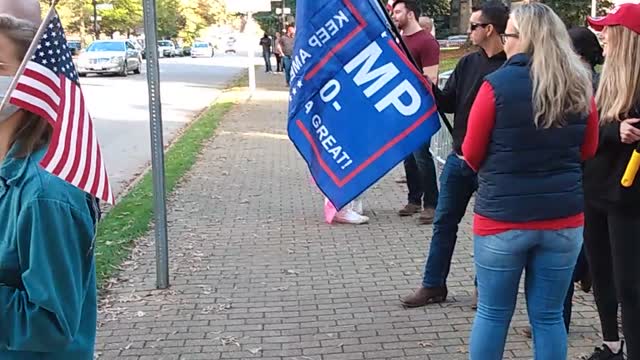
110,57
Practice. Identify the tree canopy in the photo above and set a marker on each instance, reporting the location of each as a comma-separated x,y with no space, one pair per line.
175,18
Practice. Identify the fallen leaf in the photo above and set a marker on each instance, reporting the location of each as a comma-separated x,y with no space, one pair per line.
255,351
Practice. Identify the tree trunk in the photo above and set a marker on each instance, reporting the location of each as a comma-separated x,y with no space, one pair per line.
81,25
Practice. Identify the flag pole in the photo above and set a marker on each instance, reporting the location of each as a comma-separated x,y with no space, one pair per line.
405,49
32,50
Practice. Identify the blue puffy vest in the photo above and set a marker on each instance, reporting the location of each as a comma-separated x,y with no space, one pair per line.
529,174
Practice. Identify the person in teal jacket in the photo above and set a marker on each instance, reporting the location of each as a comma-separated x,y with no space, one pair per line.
48,301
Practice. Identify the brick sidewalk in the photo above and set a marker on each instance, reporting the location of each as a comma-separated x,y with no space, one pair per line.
255,272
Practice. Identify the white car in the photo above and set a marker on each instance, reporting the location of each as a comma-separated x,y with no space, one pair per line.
202,49
166,48
110,57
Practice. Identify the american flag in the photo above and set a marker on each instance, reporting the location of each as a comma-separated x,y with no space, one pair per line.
49,87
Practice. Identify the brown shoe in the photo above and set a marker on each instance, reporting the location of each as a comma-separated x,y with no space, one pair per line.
409,210
527,333
426,216
474,299
424,296
401,180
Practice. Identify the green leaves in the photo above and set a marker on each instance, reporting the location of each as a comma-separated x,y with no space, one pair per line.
433,8
575,12
184,18
125,17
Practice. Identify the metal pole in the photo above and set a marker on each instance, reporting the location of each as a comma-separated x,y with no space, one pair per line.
284,17
95,20
251,54
594,8
157,146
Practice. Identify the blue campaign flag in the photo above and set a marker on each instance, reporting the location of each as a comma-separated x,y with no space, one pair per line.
358,106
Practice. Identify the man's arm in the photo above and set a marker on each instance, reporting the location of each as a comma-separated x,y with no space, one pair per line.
430,60
431,72
446,99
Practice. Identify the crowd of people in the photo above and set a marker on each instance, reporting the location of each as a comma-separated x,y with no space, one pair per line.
542,140
539,136
280,47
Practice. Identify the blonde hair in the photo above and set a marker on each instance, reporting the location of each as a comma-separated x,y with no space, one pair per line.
34,131
562,83
619,89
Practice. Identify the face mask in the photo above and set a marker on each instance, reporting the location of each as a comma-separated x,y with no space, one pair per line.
9,109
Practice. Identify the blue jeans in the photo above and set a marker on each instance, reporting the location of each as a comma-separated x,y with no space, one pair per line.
421,177
287,69
458,182
549,257
266,55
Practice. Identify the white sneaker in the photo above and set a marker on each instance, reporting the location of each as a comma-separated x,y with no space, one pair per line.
349,216
358,207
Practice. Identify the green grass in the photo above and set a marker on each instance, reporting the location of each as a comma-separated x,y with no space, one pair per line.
448,64
131,218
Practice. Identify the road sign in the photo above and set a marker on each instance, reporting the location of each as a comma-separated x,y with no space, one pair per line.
246,6
99,18
287,11
104,6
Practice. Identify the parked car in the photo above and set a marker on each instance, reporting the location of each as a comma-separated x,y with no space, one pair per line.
186,51
454,41
443,78
110,57
230,45
166,48
74,46
202,49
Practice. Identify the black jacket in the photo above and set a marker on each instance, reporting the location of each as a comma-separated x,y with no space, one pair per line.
461,89
603,173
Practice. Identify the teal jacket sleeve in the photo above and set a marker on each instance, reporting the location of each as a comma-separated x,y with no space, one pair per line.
56,258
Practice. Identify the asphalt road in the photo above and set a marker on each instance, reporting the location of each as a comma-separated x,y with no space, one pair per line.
120,111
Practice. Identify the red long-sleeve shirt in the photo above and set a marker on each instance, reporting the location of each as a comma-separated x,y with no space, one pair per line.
481,122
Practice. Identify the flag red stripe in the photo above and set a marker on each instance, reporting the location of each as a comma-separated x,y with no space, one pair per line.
79,138
33,109
67,104
105,193
38,94
42,79
90,150
96,179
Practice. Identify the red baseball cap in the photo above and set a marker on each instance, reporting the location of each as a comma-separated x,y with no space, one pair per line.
627,15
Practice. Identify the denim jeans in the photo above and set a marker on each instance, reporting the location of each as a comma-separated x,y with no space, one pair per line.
421,177
458,182
549,257
287,69
266,55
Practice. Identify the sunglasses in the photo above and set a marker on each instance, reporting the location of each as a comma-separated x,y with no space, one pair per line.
505,36
474,26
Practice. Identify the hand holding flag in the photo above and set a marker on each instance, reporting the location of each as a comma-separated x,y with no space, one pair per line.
47,85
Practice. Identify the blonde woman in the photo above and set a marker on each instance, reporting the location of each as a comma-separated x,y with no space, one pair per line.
532,124
612,212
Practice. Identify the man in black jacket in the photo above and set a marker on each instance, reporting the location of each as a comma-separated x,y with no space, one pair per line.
458,181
